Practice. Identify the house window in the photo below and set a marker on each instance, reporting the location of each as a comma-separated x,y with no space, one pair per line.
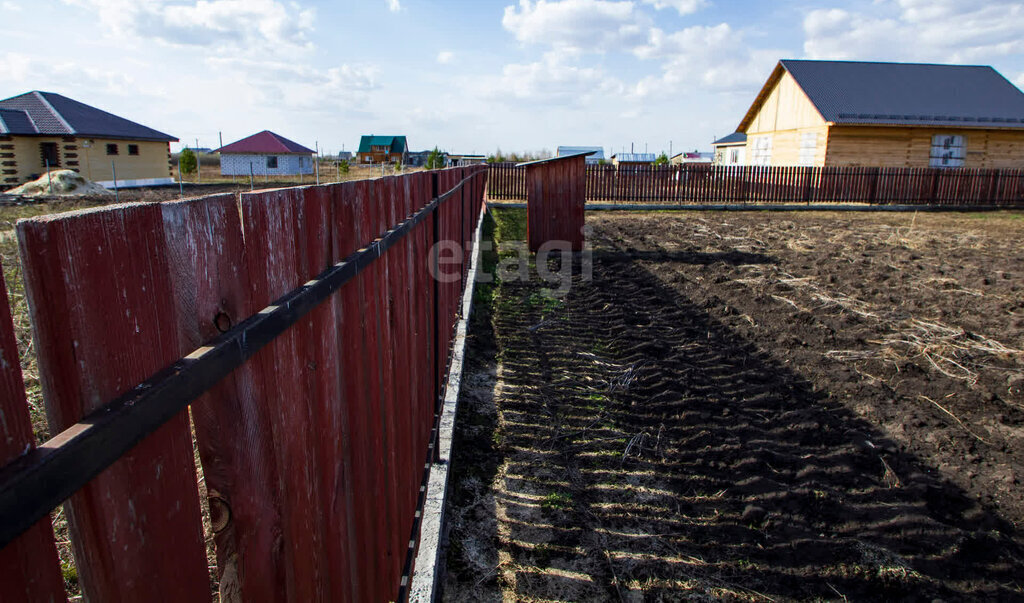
271,163
948,151
49,153
111,149
133,149
808,148
762,151
734,156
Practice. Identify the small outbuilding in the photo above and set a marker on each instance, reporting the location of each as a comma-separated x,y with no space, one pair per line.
556,191
730,150
265,154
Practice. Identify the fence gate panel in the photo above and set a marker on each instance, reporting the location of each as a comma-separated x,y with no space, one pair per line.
101,302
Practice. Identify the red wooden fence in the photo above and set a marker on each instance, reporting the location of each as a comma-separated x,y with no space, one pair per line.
313,451
699,183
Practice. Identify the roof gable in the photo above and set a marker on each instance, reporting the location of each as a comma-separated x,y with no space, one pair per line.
58,115
850,92
395,144
265,142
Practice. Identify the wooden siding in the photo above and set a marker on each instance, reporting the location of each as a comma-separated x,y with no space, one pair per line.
878,146
92,162
151,162
786,108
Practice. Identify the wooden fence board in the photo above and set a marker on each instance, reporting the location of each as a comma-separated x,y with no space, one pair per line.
103,314
29,565
211,288
288,370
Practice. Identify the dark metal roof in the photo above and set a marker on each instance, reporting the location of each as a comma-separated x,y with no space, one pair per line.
734,138
553,159
265,142
56,115
13,121
847,92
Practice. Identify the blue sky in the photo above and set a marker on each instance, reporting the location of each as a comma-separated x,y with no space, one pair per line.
468,76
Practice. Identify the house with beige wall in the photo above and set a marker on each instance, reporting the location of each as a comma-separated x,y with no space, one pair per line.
40,130
846,113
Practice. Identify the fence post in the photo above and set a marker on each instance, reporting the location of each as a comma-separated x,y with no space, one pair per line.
873,195
933,198
435,226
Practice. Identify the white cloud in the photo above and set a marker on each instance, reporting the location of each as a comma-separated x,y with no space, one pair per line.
921,30
297,86
587,25
555,79
9,6
703,56
685,7
244,25
394,6
445,56
32,73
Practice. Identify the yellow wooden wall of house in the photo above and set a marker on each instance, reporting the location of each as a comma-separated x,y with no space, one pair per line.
28,157
151,162
785,116
91,161
885,146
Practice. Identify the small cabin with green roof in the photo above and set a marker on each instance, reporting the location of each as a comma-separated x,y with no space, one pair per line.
382,149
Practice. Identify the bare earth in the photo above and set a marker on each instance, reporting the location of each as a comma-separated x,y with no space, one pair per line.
752,406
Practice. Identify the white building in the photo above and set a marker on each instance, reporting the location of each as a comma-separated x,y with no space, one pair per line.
265,154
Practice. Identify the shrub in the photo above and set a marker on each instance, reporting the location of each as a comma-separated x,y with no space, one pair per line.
187,161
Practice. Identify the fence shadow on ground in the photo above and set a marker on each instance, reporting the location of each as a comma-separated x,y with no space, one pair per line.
645,451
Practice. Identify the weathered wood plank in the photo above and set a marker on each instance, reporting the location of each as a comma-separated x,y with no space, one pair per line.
102,309
29,565
210,276
286,244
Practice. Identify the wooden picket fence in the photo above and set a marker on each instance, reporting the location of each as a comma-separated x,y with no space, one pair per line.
711,184
302,328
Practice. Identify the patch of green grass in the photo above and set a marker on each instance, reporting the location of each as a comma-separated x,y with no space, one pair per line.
70,573
510,224
990,215
556,501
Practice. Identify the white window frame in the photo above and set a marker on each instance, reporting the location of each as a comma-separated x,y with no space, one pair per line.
808,148
761,150
948,151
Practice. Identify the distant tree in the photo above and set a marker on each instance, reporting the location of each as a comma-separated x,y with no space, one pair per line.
187,160
661,160
343,166
435,160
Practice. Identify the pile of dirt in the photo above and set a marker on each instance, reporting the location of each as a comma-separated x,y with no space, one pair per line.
60,183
